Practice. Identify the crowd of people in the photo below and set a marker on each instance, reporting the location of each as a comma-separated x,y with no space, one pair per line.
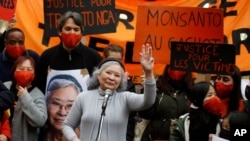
71,92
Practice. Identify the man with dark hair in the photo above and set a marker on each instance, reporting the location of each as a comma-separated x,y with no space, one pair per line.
70,54
113,51
14,48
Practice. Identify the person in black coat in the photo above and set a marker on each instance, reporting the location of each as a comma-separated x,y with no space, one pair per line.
70,54
6,98
173,87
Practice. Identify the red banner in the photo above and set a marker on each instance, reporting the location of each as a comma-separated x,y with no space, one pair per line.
7,8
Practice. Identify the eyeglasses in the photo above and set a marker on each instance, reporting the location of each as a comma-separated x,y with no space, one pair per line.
54,105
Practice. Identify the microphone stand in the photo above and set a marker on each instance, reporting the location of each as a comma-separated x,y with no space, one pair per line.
101,122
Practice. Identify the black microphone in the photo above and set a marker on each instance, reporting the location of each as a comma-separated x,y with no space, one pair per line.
107,93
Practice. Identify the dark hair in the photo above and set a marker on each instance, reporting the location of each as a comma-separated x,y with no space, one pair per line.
198,93
75,16
163,82
202,123
14,29
114,48
20,60
240,120
235,95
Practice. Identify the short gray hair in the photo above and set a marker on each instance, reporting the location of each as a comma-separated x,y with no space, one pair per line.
61,81
93,82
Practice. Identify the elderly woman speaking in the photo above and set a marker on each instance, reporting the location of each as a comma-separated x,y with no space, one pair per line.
102,112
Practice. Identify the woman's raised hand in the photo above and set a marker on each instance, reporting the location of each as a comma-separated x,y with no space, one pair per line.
147,61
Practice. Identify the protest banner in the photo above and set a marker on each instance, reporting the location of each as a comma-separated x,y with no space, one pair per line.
98,16
203,57
159,25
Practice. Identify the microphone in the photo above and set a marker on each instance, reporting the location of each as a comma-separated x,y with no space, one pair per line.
107,93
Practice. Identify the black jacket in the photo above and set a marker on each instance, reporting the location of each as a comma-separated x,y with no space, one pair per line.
6,98
58,58
167,108
2,41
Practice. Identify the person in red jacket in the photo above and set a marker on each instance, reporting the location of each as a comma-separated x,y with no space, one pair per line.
5,131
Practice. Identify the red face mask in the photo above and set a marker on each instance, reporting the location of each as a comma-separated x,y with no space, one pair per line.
71,40
14,51
223,90
213,105
176,75
23,78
